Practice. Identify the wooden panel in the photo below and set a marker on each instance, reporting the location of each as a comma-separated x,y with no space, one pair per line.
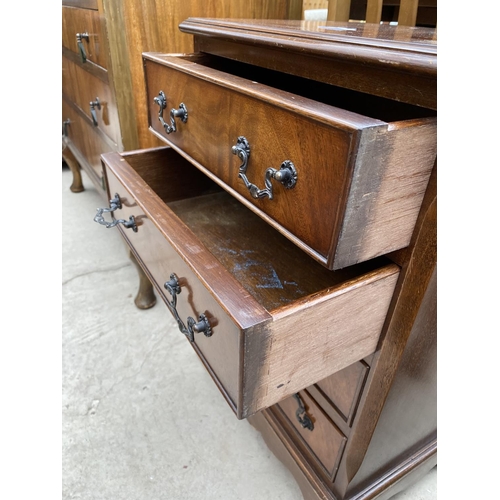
343,389
325,441
338,10
82,4
408,12
389,182
81,87
120,68
75,20
233,266
85,139
159,31
374,11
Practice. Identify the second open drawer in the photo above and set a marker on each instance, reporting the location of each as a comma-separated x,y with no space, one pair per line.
265,320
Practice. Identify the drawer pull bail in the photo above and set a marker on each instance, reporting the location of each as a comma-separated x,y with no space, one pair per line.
93,114
286,175
79,41
303,418
115,204
65,126
201,326
181,113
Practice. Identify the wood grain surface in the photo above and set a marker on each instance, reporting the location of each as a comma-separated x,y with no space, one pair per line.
154,26
82,87
396,62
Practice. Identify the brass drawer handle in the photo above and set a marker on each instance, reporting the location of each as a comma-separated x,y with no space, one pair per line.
93,114
303,418
286,175
115,204
79,41
201,326
181,113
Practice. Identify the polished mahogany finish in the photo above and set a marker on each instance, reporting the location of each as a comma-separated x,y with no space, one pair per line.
362,163
259,294
360,56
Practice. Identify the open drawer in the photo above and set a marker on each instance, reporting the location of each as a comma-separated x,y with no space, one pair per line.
265,320
340,173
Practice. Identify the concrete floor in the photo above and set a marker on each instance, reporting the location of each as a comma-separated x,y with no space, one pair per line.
142,419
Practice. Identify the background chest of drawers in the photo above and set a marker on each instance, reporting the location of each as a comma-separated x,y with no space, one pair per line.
290,227
103,105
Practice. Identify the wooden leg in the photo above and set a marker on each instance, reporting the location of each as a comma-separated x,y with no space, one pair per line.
77,185
145,296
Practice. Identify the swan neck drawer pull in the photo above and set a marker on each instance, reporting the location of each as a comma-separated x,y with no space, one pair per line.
181,113
303,418
93,114
114,204
286,175
201,326
79,41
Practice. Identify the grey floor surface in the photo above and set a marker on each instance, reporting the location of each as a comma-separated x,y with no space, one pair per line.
142,419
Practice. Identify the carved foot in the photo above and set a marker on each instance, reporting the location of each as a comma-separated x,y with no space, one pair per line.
77,185
145,298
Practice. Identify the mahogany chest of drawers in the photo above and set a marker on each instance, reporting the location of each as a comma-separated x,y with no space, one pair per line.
289,225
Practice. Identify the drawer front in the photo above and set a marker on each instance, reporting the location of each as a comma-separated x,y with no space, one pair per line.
92,96
261,297
345,175
314,429
343,389
218,115
84,22
85,139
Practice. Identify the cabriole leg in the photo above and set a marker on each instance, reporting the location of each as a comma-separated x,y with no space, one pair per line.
145,297
77,185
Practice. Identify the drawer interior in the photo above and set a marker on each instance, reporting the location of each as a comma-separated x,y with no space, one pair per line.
271,268
357,102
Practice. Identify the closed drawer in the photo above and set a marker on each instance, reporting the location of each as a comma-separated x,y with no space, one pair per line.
92,96
86,140
343,389
362,163
91,47
314,429
279,322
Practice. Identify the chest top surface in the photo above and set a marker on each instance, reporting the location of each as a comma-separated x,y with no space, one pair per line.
398,62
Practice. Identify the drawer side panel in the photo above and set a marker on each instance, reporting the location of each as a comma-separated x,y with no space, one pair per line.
336,330
390,177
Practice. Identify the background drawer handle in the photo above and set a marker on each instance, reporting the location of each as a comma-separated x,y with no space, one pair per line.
303,418
115,204
201,326
181,113
65,125
79,41
93,114
286,175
